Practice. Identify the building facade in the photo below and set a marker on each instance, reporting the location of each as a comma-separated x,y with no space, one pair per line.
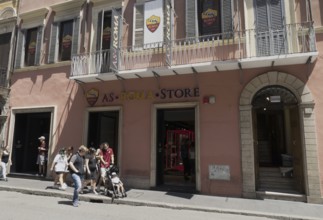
220,97
8,20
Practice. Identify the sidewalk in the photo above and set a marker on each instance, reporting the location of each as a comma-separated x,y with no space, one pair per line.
264,208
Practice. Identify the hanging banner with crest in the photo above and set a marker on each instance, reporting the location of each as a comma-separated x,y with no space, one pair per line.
116,27
154,22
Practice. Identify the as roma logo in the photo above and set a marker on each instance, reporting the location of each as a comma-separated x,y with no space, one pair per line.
92,96
209,16
152,23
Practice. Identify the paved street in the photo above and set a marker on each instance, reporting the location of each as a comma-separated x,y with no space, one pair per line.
29,207
144,203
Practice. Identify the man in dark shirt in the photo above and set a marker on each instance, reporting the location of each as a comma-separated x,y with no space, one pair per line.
77,171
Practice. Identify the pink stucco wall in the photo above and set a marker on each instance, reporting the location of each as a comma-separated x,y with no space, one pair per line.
219,123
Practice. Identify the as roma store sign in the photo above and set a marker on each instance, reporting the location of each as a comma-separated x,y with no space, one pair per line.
94,97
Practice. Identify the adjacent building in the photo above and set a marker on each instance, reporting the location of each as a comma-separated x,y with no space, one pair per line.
8,20
227,92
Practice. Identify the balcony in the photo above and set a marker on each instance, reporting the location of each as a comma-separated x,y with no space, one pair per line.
283,45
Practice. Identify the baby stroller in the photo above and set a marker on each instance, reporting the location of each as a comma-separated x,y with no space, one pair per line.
112,187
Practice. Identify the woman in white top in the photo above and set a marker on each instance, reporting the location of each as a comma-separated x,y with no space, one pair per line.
60,165
4,160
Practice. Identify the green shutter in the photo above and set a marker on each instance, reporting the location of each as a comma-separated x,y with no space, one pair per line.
53,43
227,20
99,31
20,48
76,34
139,26
191,18
38,45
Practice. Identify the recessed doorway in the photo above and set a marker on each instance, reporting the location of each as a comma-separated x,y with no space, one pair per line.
176,149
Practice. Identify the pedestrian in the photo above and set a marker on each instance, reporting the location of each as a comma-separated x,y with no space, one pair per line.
66,176
60,165
91,169
185,148
105,156
77,168
4,161
41,159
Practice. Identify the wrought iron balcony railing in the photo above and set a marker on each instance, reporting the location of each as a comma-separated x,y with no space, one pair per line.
232,46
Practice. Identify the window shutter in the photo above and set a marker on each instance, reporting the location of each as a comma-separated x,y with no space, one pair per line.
139,26
76,34
38,45
261,15
276,14
20,48
191,18
227,21
53,43
99,31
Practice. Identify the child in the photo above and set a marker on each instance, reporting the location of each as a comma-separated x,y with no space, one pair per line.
119,185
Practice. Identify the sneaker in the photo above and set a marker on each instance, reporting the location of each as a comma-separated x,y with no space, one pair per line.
37,174
64,186
61,188
6,179
95,192
75,204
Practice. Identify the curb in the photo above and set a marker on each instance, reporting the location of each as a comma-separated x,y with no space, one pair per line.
134,202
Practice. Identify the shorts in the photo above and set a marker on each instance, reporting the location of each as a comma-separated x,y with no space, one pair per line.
59,172
103,171
41,159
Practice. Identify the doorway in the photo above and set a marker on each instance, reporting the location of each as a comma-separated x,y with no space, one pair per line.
103,126
176,149
278,149
27,128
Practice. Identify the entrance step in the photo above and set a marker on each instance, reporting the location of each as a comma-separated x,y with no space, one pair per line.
270,179
281,196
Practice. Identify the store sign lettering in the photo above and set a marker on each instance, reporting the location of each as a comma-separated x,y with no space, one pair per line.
162,94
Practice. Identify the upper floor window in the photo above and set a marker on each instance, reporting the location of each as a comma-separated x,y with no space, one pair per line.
104,30
30,48
208,17
5,50
65,40
29,42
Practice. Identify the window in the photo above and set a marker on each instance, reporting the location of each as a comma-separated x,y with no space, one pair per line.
65,40
138,25
104,31
29,42
5,49
30,48
270,31
209,17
